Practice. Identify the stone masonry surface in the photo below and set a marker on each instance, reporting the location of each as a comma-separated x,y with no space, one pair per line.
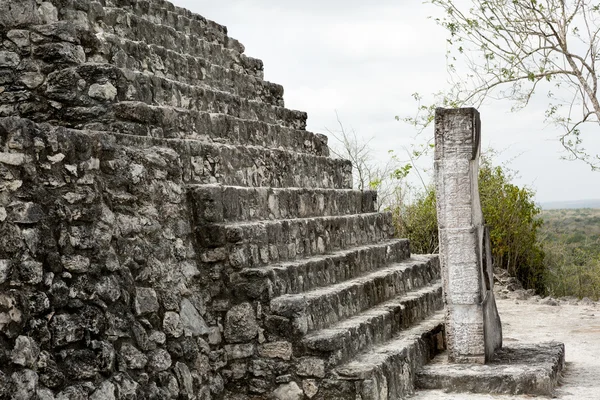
169,230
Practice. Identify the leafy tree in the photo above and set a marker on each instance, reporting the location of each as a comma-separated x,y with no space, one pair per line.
512,215
511,49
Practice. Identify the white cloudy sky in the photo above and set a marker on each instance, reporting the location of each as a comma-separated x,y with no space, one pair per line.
365,59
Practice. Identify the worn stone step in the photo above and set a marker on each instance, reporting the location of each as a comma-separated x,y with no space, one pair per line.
218,203
85,94
148,22
387,371
158,60
252,244
299,314
381,323
530,369
137,118
265,283
217,163
206,42
176,64
182,21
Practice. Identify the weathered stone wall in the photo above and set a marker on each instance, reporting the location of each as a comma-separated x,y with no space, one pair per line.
99,273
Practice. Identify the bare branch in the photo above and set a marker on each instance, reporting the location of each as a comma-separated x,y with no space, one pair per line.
510,49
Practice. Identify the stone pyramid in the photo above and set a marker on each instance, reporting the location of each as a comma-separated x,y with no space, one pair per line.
169,230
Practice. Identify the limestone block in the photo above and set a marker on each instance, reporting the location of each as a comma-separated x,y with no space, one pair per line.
105,391
193,323
25,352
105,92
281,350
310,387
240,324
15,13
26,382
48,13
146,301
288,391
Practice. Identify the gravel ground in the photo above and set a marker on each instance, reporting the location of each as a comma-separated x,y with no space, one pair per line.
528,319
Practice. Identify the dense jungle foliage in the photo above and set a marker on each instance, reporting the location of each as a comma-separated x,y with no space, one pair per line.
571,240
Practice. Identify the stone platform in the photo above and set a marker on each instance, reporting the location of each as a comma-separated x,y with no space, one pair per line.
532,369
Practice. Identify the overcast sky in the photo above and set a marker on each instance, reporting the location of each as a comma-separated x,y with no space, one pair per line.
365,59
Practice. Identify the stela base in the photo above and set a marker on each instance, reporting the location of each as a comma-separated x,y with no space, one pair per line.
532,369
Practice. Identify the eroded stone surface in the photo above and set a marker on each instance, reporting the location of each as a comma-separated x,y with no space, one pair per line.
240,324
473,327
533,369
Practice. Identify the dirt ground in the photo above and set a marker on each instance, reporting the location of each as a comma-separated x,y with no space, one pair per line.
575,323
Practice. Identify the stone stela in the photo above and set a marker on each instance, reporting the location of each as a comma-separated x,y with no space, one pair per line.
473,326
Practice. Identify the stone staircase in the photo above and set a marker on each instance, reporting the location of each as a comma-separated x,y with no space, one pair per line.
339,308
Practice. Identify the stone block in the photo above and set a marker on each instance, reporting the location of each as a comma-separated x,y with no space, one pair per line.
18,13
145,301
240,324
518,369
282,350
288,391
193,323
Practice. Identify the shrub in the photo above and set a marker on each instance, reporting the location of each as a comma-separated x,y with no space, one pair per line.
417,221
508,210
512,216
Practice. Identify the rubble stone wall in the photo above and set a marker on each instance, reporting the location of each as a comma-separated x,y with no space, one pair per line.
100,277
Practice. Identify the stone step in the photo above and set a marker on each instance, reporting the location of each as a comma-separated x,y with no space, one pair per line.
265,283
142,21
530,369
375,326
137,118
84,92
160,61
217,203
220,49
217,163
298,314
179,19
251,244
387,371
